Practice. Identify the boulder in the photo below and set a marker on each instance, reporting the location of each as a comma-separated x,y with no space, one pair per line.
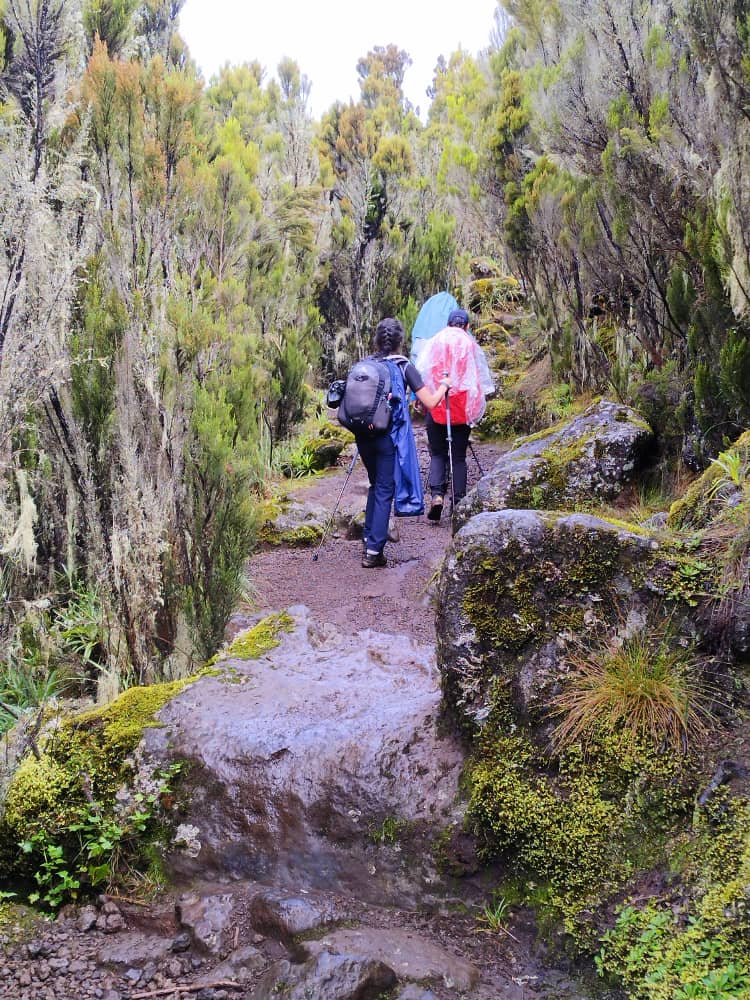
409,954
238,966
300,759
282,916
583,461
208,920
327,977
518,584
293,522
133,949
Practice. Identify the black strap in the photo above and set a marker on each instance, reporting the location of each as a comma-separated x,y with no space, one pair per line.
381,387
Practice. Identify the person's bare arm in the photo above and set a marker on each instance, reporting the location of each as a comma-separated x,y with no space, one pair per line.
431,399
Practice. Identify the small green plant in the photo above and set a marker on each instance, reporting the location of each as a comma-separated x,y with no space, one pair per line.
97,849
79,624
657,959
732,466
54,878
643,685
295,459
389,831
495,915
24,685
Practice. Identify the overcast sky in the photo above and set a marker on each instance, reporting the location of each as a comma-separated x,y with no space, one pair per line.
327,37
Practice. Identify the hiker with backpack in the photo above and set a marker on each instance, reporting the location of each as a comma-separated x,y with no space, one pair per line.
374,407
454,354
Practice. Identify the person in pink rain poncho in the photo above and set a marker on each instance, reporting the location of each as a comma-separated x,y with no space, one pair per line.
453,354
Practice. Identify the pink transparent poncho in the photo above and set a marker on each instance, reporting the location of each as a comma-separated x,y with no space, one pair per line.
455,353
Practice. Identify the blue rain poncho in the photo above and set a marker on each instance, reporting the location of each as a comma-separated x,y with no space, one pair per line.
432,317
408,499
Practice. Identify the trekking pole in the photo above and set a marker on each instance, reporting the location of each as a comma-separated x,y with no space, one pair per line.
449,434
336,507
474,455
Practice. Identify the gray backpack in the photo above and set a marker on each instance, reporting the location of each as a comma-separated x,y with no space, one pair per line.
365,406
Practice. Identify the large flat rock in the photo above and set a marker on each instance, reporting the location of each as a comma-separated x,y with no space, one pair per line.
409,954
318,764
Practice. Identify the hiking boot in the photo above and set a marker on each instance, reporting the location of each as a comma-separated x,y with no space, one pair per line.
433,514
371,560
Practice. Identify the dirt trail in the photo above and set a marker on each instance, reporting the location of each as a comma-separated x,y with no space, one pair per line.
393,599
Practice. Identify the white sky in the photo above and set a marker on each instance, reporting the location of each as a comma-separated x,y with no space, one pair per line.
327,37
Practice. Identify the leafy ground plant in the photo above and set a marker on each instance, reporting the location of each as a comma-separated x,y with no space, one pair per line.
23,686
494,916
657,959
98,849
644,684
731,468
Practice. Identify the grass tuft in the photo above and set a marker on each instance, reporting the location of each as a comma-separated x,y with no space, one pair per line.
643,685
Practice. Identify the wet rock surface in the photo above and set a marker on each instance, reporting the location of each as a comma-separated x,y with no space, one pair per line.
424,955
302,760
411,955
517,585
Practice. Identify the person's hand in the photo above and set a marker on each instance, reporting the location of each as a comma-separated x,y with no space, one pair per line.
446,382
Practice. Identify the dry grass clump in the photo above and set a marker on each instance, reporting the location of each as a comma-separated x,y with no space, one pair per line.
645,684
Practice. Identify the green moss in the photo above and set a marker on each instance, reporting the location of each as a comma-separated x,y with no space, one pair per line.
514,598
548,485
39,788
87,757
269,510
390,831
714,941
618,522
571,824
269,534
19,923
301,537
259,639
539,435
689,510
498,420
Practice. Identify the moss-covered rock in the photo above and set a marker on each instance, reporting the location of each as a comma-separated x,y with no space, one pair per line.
499,420
516,587
485,267
257,640
82,764
568,826
723,485
317,449
577,463
293,522
714,515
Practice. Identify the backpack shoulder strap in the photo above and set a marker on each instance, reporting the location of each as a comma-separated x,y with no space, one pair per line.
398,363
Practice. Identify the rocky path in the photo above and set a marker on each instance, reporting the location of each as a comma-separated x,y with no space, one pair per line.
336,588
319,774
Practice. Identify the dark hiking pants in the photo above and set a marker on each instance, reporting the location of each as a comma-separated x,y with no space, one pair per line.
437,438
378,457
